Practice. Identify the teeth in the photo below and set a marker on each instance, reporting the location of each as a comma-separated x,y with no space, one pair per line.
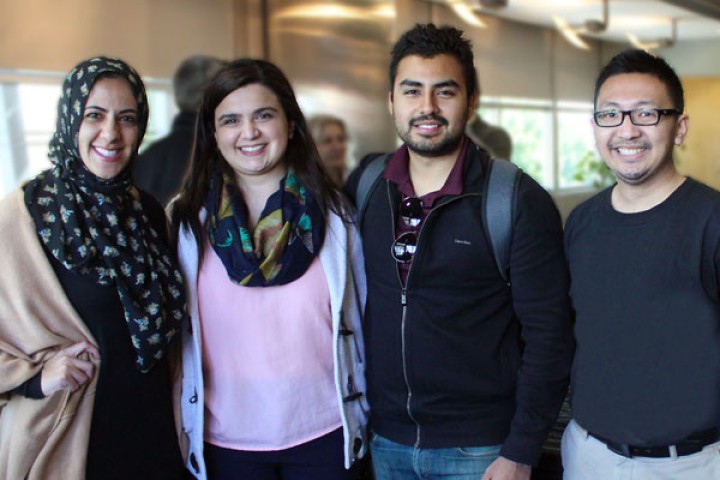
105,152
251,149
428,127
629,151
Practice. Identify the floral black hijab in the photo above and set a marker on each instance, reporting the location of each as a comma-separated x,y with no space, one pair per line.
97,227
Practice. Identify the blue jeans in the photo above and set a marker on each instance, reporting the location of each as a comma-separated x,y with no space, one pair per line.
394,461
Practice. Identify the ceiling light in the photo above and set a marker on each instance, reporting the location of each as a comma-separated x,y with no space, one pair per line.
462,10
333,12
655,44
572,33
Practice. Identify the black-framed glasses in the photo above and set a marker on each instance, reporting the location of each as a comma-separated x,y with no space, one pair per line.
411,213
641,117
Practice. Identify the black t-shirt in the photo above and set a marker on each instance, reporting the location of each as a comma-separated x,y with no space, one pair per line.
645,291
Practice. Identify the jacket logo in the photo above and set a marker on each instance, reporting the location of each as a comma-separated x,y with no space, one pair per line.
462,242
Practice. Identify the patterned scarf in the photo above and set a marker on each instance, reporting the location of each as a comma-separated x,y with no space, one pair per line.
97,228
287,237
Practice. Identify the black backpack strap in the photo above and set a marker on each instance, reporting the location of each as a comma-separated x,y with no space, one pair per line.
499,208
369,178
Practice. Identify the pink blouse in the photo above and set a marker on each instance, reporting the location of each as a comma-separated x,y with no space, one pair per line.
267,360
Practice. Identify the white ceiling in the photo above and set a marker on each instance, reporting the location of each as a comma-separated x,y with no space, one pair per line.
647,19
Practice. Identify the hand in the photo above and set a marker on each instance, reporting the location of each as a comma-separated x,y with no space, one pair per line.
66,370
504,469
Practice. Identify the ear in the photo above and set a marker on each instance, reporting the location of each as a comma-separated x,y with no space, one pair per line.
681,129
472,102
291,129
390,103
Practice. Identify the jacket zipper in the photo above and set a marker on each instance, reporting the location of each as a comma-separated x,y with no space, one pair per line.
403,302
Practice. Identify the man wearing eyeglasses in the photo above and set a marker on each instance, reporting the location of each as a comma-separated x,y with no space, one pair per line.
644,260
466,372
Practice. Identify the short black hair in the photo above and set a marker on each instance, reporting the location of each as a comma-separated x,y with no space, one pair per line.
639,61
428,40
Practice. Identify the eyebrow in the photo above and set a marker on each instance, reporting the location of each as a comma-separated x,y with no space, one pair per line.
96,107
233,116
414,83
616,105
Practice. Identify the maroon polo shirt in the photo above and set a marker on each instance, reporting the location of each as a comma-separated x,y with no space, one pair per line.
398,172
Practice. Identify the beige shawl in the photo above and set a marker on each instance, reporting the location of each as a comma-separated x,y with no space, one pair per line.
46,438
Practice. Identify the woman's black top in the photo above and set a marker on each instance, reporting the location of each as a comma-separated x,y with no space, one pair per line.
132,435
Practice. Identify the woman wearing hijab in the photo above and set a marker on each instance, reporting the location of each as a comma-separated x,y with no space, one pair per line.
273,360
90,299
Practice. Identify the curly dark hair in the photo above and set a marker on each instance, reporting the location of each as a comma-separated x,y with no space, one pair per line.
428,40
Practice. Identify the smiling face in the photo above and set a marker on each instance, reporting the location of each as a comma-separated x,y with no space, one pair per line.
429,104
252,131
108,135
634,153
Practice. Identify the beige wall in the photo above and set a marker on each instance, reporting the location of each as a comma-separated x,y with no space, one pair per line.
699,157
152,35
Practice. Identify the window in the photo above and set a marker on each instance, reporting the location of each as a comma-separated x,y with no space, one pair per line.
576,145
28,112
550,141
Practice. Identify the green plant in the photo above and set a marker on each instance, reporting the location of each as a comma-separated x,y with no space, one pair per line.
591,170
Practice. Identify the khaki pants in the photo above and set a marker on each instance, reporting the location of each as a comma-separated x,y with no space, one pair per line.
586,458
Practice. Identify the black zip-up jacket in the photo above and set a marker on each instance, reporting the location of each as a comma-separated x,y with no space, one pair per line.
457,357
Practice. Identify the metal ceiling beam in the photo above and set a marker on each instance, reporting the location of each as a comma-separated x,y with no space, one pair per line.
708,8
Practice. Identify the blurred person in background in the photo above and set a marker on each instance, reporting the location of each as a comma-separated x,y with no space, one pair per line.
331,137
161,167
493,138
496,140
273,381
90,299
